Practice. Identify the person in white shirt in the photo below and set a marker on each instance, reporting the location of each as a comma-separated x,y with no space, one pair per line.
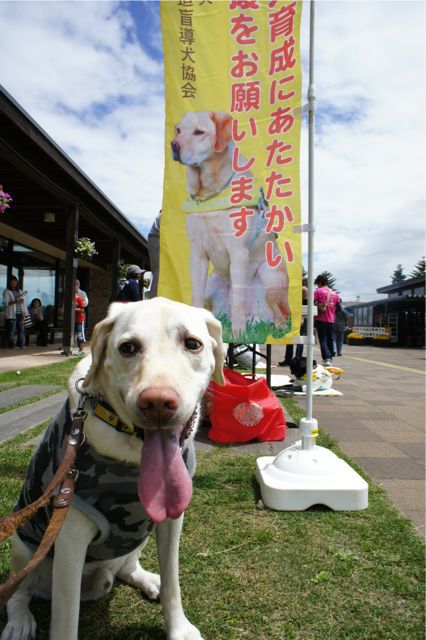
15,310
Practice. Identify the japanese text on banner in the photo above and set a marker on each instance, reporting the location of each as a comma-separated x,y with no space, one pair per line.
231,186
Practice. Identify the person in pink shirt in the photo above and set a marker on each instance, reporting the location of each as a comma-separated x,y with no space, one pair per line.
326,300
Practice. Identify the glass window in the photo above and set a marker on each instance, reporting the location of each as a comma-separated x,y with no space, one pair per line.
35,271
40,283
20,249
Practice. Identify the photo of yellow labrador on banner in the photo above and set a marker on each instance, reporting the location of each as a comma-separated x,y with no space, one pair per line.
231,187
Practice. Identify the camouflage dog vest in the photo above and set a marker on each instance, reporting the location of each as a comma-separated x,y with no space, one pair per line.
106,492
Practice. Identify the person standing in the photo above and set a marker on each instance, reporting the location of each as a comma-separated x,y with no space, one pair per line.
15,310
78,324
339,326
131,290
325,300
154,255
83,295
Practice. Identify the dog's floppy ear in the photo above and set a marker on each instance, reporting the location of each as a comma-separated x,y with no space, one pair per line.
215,330
222,122
99,342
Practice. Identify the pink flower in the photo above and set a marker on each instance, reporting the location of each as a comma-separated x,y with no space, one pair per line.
5,200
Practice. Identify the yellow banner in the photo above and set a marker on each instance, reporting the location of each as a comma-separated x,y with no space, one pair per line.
231,185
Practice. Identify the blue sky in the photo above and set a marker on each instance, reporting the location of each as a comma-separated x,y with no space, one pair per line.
90,73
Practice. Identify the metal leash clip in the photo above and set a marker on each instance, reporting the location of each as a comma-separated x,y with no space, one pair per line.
83,396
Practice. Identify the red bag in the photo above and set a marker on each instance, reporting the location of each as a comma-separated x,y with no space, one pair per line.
244,410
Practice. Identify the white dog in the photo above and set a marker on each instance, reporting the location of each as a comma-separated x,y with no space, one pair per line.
244,286
151,363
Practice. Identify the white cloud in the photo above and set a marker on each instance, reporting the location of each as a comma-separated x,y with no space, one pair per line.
369,169
81,73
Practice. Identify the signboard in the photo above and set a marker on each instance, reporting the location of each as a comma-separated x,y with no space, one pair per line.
231,187
370,332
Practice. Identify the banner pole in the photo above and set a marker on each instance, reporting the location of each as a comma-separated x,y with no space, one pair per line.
309,427
305,474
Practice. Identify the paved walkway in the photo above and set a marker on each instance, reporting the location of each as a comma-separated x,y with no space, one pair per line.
32,356
379,420
30,415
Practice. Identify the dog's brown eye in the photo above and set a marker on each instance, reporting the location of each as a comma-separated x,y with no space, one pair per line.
198,132
177,130
192,344
128,348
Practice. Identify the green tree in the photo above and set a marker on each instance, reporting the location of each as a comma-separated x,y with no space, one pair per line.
398,275
331,279
419,270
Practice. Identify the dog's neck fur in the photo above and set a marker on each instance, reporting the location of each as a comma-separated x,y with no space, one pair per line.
211,176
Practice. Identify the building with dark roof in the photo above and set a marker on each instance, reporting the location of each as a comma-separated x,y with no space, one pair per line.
54,204
403,311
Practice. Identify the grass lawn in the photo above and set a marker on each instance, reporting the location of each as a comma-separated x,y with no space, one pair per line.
250,573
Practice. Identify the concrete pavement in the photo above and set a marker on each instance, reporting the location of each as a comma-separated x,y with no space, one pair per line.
380,419
31,356
30,415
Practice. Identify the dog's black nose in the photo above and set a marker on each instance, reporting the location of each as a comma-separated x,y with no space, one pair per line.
159,403
175,150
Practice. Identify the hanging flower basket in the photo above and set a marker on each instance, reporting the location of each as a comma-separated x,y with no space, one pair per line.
85,248
5,200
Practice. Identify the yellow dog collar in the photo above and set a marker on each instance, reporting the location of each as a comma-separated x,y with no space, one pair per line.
104,412
222,201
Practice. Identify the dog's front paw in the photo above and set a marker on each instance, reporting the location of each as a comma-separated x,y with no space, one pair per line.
150,584
146,581
185,631
22,629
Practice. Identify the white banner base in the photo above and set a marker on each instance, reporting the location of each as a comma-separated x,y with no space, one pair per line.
299,478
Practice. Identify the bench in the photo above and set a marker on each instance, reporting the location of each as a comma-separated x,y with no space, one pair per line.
31,331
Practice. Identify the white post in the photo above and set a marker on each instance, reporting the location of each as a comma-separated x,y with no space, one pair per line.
305,474
308,425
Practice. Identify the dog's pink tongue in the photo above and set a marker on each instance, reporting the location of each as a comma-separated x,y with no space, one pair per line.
164,485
